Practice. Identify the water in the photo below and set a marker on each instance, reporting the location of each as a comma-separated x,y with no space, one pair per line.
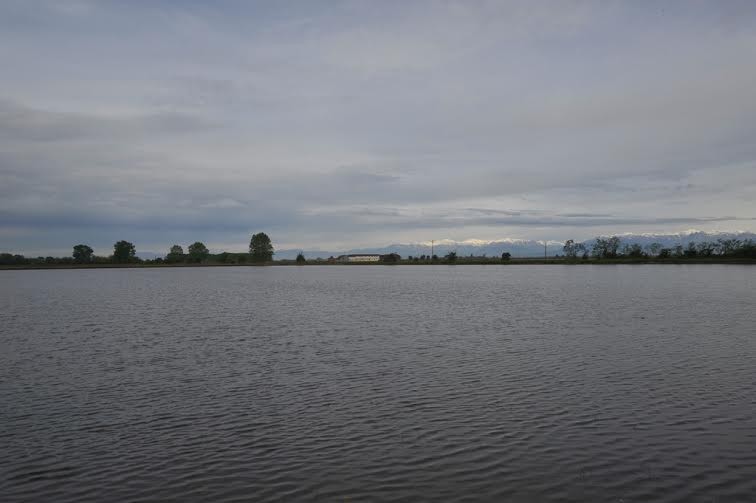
467,383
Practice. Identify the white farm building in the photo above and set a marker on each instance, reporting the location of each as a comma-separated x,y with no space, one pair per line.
359,258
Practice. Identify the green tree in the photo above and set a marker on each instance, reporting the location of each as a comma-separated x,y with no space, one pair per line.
261,248
198,252
123,252
301,258
176,254
82,254
451,257
506,256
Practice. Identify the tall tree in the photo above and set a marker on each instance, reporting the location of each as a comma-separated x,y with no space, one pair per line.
123,252
175,255
301,258
261,248
82,254
198,251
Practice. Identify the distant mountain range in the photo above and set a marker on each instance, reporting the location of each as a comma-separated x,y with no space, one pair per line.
519,247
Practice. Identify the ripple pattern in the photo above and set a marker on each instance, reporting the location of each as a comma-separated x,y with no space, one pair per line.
429,383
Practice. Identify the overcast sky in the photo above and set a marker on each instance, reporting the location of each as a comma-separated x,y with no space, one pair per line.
358,123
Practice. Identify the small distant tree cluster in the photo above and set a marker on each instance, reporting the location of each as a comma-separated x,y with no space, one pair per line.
634,251
609,248
197,253
654,249
572,249
606,247
418,258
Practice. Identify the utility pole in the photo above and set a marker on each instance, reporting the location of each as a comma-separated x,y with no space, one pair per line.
432,242
545,254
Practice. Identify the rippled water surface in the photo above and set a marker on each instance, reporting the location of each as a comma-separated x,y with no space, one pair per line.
378,383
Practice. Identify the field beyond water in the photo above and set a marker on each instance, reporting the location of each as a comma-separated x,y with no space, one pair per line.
543,383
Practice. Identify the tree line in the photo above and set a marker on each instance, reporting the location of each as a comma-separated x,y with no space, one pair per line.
124,252
261,251
612,248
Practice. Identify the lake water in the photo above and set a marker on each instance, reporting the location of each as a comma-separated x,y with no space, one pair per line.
378,383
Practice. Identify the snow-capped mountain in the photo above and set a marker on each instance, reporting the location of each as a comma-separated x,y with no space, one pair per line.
477,247
517,247
521,247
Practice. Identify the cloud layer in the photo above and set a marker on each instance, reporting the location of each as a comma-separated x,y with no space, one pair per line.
345,124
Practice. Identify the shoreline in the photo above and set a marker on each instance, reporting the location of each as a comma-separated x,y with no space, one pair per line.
459,262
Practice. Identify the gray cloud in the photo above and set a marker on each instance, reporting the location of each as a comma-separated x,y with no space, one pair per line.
22,123
362,123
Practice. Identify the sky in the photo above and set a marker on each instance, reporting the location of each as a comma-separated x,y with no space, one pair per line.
340,124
